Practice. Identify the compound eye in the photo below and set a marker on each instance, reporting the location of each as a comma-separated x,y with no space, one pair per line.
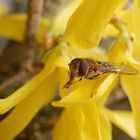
83,68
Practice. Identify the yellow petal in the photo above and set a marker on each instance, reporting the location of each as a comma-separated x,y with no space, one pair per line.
121,5
136,21
22,114
93,53
61,130
57,57
81,92
82,123
19,95
78,96
109,31
105,127
124,120
104,90
132,88
87,120
14,27
42,30
60,21
3,10
99,89
121,50
71,53
53,59
62,54
127,16
86,24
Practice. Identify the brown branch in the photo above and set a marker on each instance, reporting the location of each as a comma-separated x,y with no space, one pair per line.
21,77
13,81
35,8
28,66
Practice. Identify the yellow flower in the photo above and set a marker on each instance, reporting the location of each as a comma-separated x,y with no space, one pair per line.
39,91
79,99
85,114
14,27
3,9
86,24
84,118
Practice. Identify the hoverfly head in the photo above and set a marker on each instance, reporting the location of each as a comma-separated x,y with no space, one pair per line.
78,67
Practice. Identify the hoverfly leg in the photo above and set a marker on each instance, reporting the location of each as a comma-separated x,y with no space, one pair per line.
96,77
90,78
93,77
80,79
67,85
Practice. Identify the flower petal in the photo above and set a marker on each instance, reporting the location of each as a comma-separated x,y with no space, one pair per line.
78,96
105,127
57,57
86,24
92,53
4,9
121,5
22,114
60,132
82,122
53,59
14,27
105,88
125,16
109,31
60,21
124,120
136,21
132,88
99,89
19,95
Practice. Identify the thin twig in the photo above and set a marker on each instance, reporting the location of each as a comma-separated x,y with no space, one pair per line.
35,8
21,77
28,68
13,80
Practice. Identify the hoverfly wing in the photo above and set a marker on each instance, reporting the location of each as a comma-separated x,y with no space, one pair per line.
122,69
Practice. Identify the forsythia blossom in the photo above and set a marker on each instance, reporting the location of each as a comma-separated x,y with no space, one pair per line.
84,117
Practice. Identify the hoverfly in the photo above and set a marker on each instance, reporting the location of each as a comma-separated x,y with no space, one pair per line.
92,69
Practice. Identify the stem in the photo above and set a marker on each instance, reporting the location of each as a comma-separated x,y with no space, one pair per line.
16,79
28,69
35,8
